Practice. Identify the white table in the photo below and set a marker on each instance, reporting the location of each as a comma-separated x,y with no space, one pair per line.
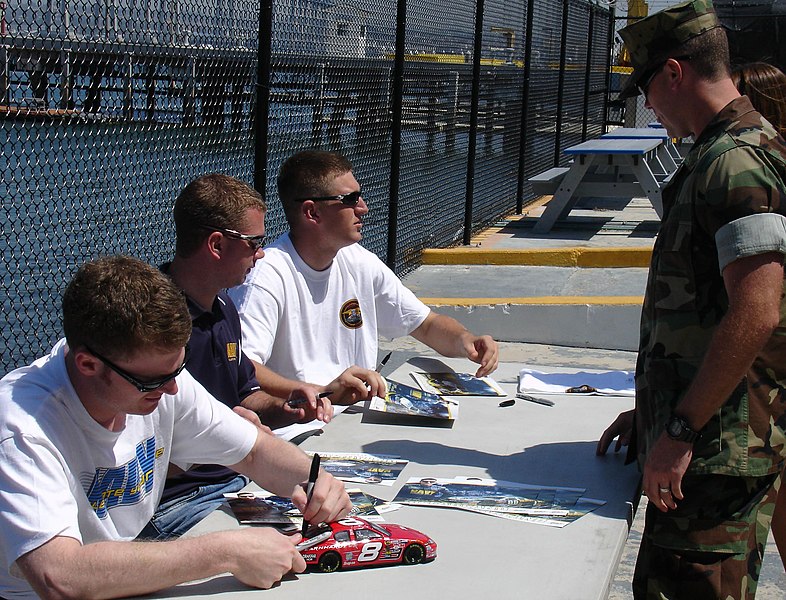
478,555
605,168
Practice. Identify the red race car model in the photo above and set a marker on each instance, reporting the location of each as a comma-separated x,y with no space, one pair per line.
354,542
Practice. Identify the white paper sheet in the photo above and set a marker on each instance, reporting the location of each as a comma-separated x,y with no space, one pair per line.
292,431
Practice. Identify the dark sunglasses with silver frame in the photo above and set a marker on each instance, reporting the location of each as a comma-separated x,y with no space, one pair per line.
255,241
650,75
142,386
350,199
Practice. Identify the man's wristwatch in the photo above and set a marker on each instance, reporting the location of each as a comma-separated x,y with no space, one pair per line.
678,429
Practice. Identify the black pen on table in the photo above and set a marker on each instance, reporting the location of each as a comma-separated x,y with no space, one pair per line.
535,399
299,401
312,479
384,361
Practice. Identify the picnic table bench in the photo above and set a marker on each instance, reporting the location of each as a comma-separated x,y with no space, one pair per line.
606,168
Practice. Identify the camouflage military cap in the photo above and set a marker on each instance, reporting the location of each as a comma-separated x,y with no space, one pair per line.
651,40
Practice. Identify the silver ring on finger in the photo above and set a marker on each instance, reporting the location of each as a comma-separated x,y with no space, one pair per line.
664,490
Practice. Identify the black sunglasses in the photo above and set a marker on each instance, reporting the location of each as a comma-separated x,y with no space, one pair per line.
650,75
643,87
350,199
255,241
142,386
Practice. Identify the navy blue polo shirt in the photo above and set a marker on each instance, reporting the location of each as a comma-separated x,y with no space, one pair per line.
216,358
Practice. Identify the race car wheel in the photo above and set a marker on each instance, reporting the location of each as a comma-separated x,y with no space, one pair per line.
414,554
329,562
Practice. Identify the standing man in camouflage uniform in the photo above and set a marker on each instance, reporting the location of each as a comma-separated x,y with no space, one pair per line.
708,426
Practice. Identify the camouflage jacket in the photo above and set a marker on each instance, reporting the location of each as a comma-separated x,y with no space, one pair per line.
736,168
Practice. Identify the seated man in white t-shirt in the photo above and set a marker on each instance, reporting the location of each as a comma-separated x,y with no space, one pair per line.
318,300
87,433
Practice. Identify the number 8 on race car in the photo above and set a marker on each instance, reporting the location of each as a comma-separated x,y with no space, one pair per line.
370,552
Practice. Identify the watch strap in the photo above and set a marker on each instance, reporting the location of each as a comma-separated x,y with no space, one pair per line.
677,428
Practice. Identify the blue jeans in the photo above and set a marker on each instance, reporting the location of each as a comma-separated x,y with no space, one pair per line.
176,516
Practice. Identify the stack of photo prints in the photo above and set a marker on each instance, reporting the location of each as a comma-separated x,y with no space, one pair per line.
546,505
263,508
363,468
430,399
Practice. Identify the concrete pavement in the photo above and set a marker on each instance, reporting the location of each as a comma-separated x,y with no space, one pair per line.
581,284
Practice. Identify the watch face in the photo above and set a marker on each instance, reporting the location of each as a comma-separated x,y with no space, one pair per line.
675,428
678,429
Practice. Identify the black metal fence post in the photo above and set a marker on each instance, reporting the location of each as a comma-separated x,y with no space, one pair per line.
395,142
563,54
588,73
473,121
609,51
525,106
260,115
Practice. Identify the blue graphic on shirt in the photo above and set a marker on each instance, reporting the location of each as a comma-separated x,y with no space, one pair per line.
126,484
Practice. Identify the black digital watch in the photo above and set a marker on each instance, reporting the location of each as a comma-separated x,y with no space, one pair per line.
678,429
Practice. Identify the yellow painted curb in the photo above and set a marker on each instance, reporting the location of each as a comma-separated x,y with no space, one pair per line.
538,300
549,257
511,217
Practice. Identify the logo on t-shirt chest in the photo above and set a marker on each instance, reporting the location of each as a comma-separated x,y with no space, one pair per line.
125,484
231,351
350,314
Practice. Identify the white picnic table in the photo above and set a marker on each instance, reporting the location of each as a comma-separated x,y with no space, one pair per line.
604,168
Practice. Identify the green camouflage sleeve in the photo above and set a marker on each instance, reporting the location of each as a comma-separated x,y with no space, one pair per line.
738,183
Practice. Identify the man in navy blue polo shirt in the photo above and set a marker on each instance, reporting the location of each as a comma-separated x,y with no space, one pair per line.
220,234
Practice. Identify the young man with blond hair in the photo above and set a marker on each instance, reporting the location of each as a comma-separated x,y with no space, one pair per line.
87,434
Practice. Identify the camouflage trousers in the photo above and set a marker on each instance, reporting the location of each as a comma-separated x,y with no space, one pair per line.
712,545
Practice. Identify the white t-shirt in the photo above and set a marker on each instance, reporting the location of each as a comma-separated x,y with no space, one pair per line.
63,474
311,325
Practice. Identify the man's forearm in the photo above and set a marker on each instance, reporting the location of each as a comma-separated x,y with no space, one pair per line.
63,568
276,465
730,354
273,383
269,408
283,468
443,334
754,286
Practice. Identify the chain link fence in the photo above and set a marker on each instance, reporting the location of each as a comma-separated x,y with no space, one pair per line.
108,108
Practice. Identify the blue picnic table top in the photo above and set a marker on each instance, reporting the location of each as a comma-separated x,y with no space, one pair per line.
633,146
637,132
